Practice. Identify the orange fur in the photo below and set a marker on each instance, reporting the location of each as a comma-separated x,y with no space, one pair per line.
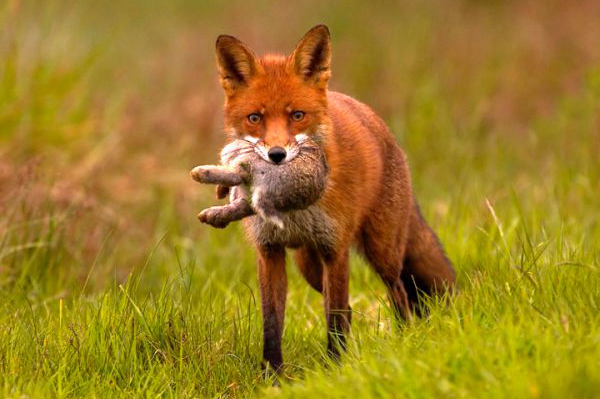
368,198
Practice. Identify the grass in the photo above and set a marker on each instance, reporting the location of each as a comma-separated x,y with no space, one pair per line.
109,287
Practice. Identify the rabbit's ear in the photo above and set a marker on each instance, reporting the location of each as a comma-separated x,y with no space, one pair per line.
222,191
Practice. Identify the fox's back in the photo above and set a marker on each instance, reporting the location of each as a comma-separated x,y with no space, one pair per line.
368,169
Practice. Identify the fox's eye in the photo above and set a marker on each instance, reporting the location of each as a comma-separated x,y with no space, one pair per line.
297,116
254,118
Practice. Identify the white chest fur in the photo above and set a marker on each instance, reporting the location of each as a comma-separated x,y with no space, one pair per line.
310,226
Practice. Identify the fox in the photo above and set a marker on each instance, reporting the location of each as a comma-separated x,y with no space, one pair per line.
368,202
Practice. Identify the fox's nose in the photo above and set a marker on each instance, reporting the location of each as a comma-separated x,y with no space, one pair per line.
277,154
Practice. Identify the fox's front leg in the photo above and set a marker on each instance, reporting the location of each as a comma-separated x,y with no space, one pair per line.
273,289
337,309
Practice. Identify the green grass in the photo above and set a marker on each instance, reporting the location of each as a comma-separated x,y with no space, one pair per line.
109,287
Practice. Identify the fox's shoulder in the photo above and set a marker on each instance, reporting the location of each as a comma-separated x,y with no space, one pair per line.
346,111
340,101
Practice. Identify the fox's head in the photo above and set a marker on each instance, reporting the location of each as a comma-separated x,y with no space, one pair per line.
275,101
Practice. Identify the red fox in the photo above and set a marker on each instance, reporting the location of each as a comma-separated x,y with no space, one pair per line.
274,102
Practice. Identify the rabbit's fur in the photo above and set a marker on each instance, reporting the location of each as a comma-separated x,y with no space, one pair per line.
262,187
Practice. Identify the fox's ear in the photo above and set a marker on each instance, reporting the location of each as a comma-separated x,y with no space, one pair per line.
236,62
312,57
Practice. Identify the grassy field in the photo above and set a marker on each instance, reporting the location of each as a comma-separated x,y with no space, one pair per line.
110,287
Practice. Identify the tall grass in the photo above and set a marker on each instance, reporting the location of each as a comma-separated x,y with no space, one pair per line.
110,287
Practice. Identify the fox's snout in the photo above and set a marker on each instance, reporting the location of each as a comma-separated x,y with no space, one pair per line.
277,154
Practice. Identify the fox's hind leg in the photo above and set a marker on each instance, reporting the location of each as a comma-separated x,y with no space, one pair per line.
388,266
406,254
383,239
426,269
310,264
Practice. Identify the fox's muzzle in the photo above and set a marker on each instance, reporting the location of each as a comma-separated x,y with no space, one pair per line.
277,154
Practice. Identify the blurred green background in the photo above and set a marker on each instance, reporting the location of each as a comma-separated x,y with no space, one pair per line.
106,106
